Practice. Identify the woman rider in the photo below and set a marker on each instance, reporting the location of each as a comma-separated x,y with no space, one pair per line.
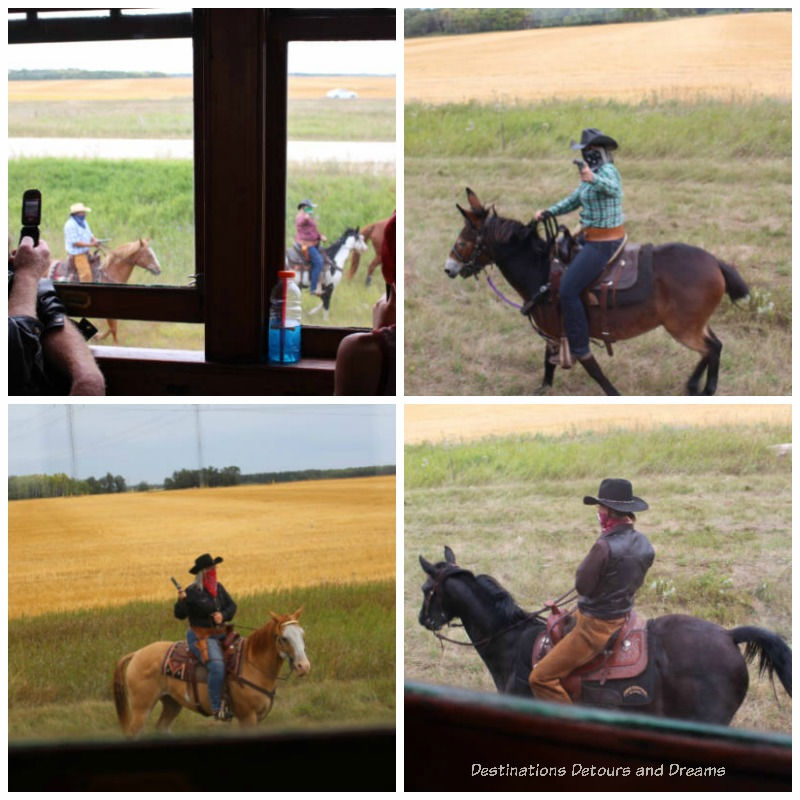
599,196
307,235
606,580
208,607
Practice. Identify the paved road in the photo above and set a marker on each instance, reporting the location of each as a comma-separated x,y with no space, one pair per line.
349,152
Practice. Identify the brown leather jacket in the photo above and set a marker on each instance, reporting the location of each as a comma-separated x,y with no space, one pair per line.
612,572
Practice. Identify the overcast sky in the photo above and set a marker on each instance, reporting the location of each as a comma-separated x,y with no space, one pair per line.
149,442
174,56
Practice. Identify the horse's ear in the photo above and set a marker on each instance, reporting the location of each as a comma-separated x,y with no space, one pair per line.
274,616
427,566
449,555
144,242
474,203
470,217
297,613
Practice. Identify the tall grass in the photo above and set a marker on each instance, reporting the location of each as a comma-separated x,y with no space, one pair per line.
64,662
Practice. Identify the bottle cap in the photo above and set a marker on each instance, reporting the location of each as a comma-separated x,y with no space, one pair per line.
285,273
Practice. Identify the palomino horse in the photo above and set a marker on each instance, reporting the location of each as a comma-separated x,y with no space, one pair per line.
115,268
700,675
334,257
139,683
372,233
688,285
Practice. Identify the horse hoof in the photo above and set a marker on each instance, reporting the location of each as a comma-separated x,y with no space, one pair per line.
543,389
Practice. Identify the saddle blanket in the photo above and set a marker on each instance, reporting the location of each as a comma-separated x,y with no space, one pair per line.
180,663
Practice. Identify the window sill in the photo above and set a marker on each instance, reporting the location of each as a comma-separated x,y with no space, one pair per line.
145,371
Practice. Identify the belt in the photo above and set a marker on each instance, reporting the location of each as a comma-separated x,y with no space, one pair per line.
603,234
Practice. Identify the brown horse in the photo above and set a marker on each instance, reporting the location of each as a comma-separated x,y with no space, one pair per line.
115,268
688,285
139,682
372,233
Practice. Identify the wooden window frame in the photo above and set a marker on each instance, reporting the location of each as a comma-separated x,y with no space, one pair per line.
240,108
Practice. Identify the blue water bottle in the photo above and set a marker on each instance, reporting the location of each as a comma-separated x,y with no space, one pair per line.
285,314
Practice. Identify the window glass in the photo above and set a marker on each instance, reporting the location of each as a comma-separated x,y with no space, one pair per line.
108,126
341,158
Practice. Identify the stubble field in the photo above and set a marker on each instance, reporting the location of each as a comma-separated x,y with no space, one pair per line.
108,550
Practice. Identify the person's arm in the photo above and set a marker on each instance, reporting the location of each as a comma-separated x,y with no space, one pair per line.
29,265
569,203
608,180
590,571
66,351
228,606
358,365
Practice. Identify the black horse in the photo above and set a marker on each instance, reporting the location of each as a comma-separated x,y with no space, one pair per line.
701,674
687,286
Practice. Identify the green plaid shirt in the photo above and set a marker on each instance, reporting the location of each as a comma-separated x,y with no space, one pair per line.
600,201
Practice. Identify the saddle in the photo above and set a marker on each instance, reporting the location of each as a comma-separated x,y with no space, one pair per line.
621,675
182,664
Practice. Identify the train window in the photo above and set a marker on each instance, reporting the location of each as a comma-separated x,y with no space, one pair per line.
341,158
227,210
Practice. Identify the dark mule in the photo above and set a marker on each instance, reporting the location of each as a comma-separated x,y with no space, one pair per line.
688,285
700,672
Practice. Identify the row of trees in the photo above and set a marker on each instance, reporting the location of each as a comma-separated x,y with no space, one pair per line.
439,21
75,74
26,487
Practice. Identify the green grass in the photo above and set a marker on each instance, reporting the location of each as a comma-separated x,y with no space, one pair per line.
719,520
716,175
328,120
155,200
60,665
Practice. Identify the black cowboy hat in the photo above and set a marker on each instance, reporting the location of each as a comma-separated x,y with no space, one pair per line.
617,493
204,562
594,136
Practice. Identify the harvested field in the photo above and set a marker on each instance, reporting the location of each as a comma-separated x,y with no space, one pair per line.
108,550
373,87
726,56
466,422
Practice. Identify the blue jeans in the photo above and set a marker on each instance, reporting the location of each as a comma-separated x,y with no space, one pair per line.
581,272
316,266
215,666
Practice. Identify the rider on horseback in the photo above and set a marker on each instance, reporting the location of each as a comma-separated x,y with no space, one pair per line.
599,196
208,607
606,580
78,238
308,237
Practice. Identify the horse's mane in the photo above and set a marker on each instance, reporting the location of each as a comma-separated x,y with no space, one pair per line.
505,231
125,251
260,640
504,605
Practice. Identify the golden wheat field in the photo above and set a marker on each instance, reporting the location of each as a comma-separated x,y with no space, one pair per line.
439,423
726,56
105,550
300,88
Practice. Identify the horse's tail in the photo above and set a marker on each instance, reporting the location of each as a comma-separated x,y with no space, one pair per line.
735,286
121,692
773,653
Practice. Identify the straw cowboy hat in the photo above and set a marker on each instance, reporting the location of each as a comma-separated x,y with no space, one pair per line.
204,562
617,493
77,208
596,137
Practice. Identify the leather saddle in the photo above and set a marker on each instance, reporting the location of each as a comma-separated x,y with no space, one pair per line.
182,664
624,657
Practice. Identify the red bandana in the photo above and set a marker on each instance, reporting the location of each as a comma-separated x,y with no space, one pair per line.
607,521
210,581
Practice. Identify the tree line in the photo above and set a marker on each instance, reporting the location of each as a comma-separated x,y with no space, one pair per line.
444,21
28,487
76,74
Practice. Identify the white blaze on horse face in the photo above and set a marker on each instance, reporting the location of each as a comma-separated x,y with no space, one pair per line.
452,267
293,634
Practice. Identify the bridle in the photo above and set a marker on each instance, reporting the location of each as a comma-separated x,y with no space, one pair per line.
478,258
283,654
438,582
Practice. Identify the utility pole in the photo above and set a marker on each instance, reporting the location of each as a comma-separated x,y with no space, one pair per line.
199,445
71,431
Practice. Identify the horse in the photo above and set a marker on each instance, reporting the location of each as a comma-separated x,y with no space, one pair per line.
701,674
115,268
139,682
334,258
372,233
688,285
